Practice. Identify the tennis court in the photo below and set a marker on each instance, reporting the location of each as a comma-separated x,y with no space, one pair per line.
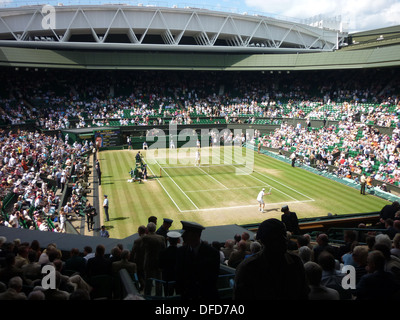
221,186
221,191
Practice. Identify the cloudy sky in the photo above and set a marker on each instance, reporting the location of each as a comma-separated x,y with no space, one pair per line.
358,15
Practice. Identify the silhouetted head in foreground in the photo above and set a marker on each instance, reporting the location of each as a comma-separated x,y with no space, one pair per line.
272,234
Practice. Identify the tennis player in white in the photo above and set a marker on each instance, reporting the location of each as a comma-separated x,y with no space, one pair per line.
197,158
260,199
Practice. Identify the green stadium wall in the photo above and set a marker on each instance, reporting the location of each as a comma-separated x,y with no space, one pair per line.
385,56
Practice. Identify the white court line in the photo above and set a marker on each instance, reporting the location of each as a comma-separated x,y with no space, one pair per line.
284,185
222,208
238,188
248,206
280,184
233,207
213,178
179,187
164,188
268,185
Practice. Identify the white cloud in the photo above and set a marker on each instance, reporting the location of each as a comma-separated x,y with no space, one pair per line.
4,3
361,15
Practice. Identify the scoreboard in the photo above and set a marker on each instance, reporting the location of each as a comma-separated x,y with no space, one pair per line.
108,137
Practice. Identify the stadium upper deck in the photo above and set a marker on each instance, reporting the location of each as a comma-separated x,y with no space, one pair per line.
160,38
126,27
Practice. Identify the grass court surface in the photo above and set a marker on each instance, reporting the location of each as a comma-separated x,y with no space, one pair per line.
222,191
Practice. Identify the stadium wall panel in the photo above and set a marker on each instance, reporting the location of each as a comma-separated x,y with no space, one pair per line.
83,59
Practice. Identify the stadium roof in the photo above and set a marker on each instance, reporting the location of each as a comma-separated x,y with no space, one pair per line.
374,38
137,37
125,27
393,30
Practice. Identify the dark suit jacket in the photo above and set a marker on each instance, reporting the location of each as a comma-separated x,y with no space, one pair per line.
380,285
168,263
261,277
197,275
152,245
137,254
291,222
98,266
76,263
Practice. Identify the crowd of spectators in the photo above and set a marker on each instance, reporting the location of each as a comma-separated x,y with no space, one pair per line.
30,159
360,104
34,171
96,98
323,264
91,99
326,262
347,146
352,144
